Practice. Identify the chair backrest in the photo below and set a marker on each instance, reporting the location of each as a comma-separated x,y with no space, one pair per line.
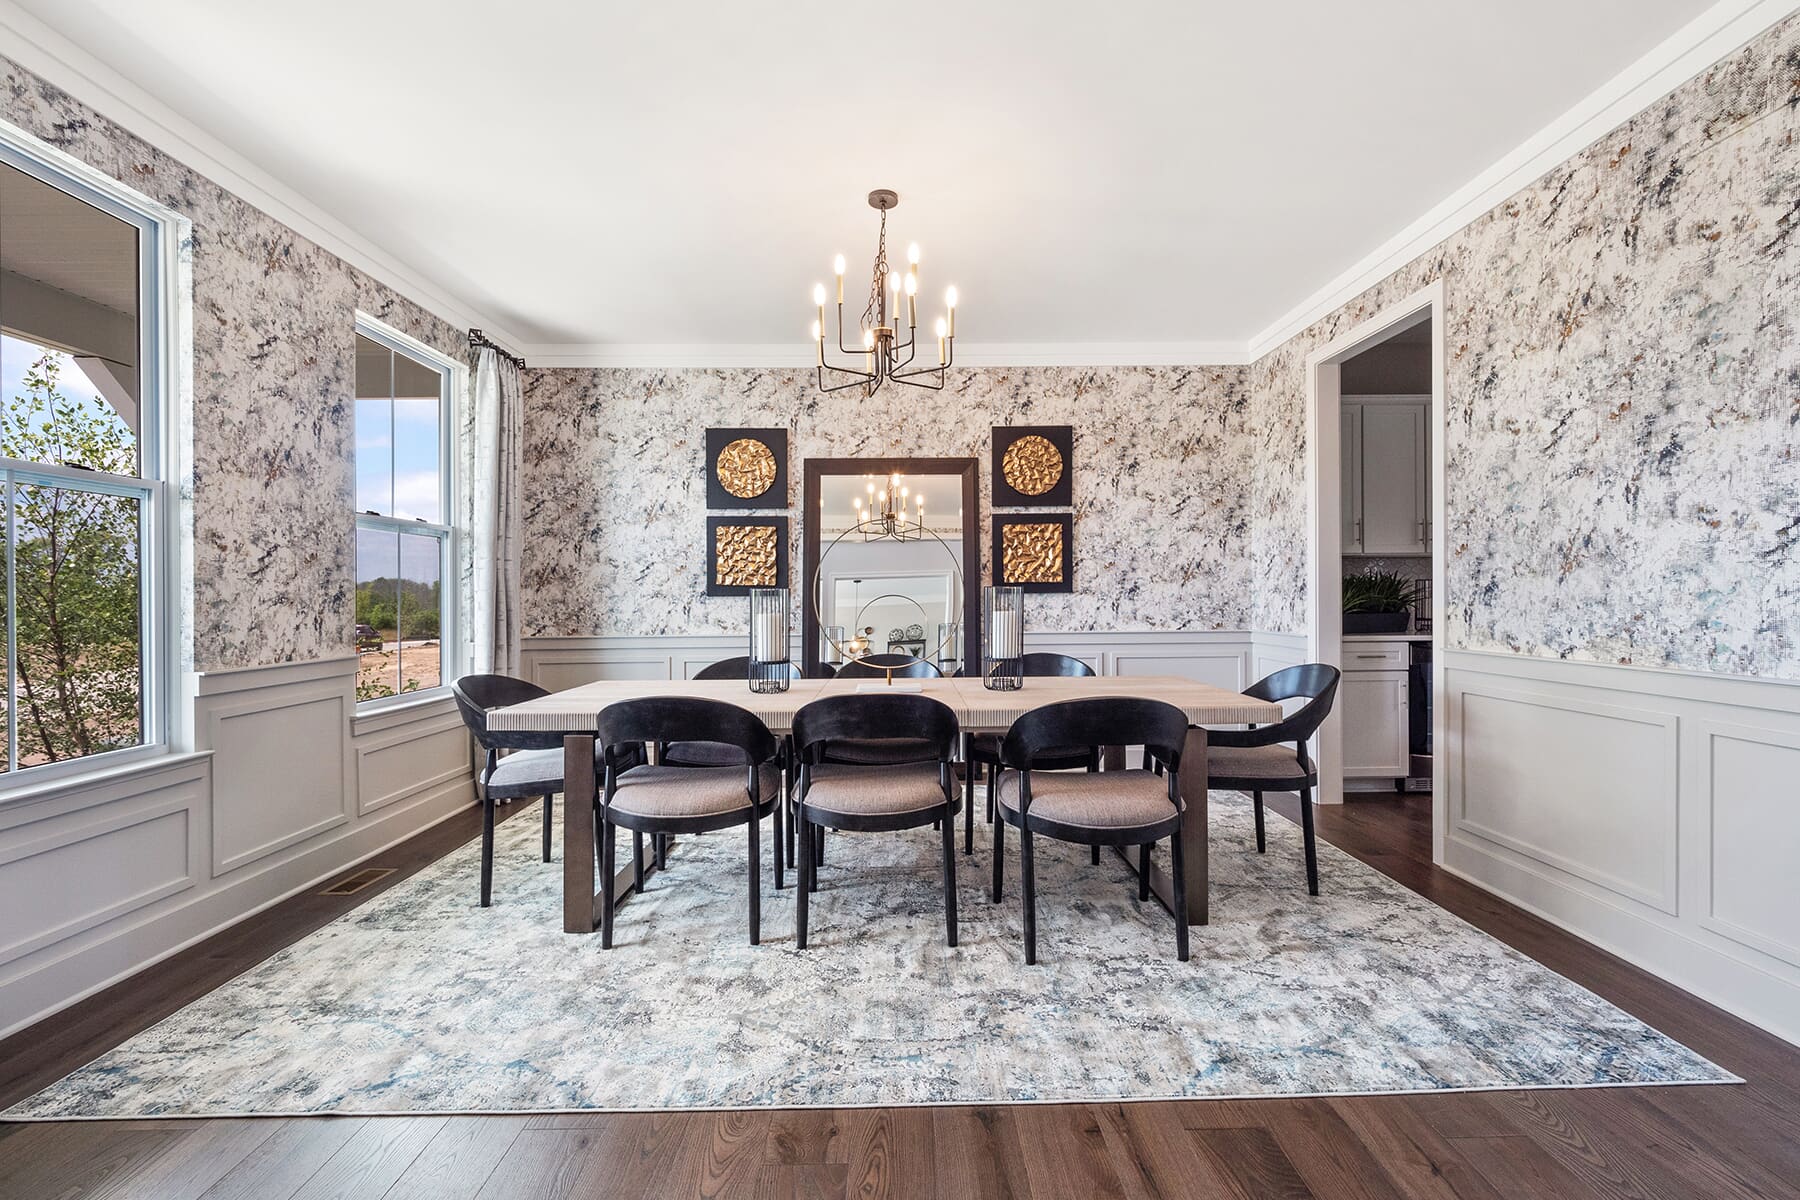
820,670
1316,682
737,668
866,717
1100,721
663,719
475,694
1043,662
901,666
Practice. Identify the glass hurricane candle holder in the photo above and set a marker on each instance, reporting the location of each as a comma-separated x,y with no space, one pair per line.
769,663
1003,638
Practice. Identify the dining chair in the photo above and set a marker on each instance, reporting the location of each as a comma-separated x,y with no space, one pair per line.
533,768
1260,759
1110,808
983,749
880,666
661,799
713,754
873,798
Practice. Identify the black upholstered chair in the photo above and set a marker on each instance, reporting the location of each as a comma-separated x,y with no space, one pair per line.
983,749
880,666
1273,758
664,799
870,798
711,754
534,768
1109,808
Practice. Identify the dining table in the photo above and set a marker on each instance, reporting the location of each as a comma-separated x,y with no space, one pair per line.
575,714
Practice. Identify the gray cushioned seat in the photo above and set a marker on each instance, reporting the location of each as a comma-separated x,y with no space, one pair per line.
880,752
689,791
703,754
864,792
531,773
1103,800
1254,762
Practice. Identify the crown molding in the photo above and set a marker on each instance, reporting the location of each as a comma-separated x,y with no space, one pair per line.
799,355
1719,31
49,55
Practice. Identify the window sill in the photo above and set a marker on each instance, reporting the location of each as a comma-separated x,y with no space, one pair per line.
84,774
377,716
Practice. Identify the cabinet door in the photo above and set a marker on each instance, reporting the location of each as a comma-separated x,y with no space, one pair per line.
1373,704
1350,444
1393,478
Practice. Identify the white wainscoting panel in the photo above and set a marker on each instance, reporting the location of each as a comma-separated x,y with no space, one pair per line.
1655,813
103,875
1585,787
1751,867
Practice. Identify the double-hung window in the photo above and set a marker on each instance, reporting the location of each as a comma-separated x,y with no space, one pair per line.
403,538
81,501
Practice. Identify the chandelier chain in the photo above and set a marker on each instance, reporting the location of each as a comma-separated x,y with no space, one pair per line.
872,314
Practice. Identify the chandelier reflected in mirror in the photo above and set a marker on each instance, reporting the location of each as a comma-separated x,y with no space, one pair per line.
884,515
891,313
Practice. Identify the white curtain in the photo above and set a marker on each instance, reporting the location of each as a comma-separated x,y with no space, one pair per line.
492,449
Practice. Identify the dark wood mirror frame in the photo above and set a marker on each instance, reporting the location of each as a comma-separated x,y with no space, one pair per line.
814,472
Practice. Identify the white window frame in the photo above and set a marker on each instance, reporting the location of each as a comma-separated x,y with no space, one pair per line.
449,543
162,280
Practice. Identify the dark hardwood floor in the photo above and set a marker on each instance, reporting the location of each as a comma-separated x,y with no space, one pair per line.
1687,1142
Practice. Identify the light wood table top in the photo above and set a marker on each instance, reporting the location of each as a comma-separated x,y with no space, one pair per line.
977,709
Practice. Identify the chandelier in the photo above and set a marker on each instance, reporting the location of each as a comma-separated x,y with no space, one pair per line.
884,355
890,522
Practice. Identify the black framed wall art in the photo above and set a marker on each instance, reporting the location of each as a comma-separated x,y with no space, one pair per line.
744,553
1035,551
1034,466
746,468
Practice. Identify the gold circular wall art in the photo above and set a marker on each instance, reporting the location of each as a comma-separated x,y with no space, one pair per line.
746,468
1032,465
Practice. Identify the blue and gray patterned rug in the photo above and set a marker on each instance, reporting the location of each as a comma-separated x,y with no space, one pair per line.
419,1001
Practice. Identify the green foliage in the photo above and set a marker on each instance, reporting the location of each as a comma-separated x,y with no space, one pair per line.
377,689
1376,591
404,606
76,565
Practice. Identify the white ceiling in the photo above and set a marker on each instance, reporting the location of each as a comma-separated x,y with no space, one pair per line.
683,173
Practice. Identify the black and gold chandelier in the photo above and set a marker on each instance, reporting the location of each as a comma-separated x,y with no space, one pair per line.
891,313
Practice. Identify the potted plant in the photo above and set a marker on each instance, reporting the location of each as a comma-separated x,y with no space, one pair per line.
1378,602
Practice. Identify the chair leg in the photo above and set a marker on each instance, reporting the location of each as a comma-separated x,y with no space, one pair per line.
804,883
968,796
660,850
1179,868
818,851
755,879
1312,849
487,848
1143,872
549,805
993,777
949,879
1256,803
999,859
637,862
775,844
1094,854
608,834
1028,883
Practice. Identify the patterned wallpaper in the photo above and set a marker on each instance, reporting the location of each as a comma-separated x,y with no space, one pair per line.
615,499
274,322
1623,357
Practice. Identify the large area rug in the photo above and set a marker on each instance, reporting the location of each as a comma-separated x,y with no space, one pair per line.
420,1001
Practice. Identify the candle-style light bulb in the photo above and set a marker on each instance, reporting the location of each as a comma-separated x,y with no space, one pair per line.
950,303
818,332
942,329
912,254
912,300
837,267
819,294
868,339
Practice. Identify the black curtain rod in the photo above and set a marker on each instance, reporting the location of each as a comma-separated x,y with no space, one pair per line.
478,340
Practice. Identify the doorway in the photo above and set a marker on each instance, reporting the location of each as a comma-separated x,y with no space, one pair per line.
1339,523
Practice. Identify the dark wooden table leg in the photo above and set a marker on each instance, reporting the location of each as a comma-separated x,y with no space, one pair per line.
1193,828
580,907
